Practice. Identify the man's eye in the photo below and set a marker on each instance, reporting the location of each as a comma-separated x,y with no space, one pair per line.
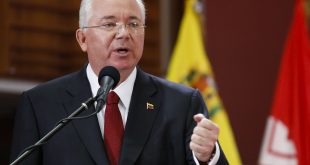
133,25
108,25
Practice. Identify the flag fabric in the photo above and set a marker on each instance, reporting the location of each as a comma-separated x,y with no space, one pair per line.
287,135
189,65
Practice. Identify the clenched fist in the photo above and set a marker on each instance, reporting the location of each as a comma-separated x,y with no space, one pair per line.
204,137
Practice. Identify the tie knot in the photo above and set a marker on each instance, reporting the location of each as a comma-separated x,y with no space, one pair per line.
112,98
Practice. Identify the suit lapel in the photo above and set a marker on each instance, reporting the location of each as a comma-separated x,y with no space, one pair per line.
143,109
87,129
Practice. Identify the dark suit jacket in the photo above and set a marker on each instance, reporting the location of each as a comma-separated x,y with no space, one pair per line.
159,136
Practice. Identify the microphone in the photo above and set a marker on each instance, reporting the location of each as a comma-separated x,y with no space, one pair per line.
108,78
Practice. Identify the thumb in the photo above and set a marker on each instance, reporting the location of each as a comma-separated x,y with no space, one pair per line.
198,117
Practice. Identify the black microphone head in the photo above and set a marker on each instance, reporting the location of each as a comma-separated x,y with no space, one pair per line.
111,72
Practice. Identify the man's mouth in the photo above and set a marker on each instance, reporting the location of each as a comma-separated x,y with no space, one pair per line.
122,50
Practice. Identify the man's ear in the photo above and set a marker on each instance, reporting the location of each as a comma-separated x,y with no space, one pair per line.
81,39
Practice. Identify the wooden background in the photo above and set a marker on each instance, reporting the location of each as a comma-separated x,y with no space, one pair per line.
244,40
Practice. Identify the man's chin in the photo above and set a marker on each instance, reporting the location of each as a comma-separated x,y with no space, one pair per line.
124,67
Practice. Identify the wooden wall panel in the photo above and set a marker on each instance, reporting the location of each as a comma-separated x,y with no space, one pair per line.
4,59
41,42
150,61
57,6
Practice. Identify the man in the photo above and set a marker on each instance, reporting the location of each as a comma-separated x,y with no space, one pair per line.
157,115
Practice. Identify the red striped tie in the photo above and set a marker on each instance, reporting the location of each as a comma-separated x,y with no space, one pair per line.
113,128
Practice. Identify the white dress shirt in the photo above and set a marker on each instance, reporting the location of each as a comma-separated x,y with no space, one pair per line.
124,91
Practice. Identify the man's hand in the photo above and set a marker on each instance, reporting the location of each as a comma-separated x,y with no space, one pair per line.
204,137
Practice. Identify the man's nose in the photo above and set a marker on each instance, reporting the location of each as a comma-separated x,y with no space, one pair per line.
122,30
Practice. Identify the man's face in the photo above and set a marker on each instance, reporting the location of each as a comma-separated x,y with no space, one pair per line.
121,48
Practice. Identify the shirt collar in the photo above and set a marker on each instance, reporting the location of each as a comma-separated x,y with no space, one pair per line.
123,90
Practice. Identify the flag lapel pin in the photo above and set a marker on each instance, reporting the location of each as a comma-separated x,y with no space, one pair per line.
149,106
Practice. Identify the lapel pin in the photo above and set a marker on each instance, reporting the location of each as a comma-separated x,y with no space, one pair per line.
149,106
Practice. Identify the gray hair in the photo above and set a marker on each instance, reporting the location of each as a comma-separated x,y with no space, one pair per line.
85,11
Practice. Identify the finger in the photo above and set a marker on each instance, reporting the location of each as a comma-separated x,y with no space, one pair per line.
200,149
202,137
205,131
199,140
201,131
198,117
204,122
208,124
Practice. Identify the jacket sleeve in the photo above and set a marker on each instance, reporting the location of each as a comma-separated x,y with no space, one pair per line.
25,132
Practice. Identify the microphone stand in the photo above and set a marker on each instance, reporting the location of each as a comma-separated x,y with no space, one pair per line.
60,125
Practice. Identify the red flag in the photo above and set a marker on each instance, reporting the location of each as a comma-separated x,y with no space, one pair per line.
287,134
